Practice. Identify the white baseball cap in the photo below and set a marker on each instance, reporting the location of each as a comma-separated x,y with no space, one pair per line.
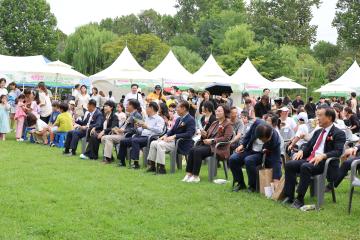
284,109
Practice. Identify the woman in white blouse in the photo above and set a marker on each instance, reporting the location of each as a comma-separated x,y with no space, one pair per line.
82,101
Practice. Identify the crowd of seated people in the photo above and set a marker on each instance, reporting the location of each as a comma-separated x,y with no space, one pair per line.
193,124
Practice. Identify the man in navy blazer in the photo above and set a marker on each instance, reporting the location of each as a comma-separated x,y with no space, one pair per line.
327,142
184,128
260,139
93,118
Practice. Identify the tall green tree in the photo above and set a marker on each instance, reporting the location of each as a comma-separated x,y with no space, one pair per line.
189,59
285,21
122,25
347,23
3,49
83,48
147,49
28,27
326,52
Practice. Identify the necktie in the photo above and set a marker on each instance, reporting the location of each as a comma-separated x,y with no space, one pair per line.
317,145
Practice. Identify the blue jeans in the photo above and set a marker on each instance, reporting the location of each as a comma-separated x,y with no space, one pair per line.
250,159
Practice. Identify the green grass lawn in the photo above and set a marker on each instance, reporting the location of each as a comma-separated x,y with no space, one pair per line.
44,195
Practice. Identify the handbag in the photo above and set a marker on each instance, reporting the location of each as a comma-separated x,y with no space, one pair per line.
265,176
279,190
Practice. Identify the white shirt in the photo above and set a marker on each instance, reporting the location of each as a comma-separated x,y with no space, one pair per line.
75,93
45,110
40,125
82,101
3,91
136,96
302,130
257,145
320,150
290,123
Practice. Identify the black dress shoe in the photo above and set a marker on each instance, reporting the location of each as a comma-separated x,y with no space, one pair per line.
238,188
297,204
122,164
161,171
135,166
287,201
151,169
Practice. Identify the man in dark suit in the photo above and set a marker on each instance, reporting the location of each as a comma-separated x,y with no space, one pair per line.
93,118
184,127
259,139
350,154
262,107
327,142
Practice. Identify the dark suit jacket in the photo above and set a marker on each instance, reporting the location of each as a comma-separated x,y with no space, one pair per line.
211,120
273,156
334,143
112,122
221,135
96,120
184,128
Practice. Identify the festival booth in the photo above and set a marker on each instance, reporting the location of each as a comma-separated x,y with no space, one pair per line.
121,74
209,73
250,80
283,82
29,71
170,73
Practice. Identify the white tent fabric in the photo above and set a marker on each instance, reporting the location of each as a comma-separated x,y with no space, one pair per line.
249,78
33,69
286,83
171,73
334,88
124,69
211,72
22,64
351,77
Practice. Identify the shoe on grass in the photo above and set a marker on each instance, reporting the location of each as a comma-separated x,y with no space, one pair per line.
194,179
186,178
84,157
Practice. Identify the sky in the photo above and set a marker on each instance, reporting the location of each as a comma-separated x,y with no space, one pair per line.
73,13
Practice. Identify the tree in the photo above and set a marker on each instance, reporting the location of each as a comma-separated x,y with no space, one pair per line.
189,41
326,52
28,27
3,49
189,59
147,49
347,23
286,21
238,37
83,48
122,25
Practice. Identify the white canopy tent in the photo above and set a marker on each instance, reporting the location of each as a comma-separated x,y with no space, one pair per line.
124,71
332,89
249,78
170,72
286,83
33,69
210,72
351,78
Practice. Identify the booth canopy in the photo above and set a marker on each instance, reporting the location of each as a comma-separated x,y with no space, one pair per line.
351,78
286,83
211,72
170,72
332,89
249,78
124,70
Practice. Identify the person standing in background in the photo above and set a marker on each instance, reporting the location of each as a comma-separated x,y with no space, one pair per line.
13,95
3,90
76,91
45,103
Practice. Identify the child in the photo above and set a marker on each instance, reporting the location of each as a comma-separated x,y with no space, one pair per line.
4,117
41,128
63,123
13,95
20,116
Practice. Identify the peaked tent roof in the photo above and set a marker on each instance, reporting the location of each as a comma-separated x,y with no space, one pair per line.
211,72
171,72
286,83
124,67
249,77
351,77
22,64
